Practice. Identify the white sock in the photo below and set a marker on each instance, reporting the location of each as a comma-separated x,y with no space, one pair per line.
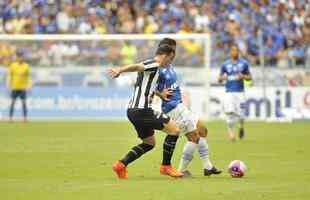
204,153
187,156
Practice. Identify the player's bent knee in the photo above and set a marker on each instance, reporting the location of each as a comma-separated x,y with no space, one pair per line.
174,131
202,130
193,137
149,140
203,133
206,132
171,128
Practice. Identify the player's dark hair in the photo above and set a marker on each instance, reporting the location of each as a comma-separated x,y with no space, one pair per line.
20,52
234,45
167,41
164,50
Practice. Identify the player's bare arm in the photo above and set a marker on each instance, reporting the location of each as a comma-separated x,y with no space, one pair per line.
246,77
222,77
115,72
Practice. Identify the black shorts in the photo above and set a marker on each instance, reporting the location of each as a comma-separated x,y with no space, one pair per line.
18,93
146,120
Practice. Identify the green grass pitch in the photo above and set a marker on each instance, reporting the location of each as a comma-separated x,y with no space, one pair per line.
72,161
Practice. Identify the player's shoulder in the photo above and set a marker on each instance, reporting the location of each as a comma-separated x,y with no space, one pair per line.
244,61
162,71
12,65
150,65
167,69
148,61
26,65
226,62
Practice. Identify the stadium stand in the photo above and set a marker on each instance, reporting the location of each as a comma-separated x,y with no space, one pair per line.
285,24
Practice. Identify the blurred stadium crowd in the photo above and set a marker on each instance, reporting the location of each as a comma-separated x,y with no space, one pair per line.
284,27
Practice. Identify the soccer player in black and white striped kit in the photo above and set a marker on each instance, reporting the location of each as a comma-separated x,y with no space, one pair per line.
139,112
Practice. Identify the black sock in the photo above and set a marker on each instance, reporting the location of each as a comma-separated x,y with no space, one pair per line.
168,148
136,152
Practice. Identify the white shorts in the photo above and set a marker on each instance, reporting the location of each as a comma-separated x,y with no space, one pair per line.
185,119
234,102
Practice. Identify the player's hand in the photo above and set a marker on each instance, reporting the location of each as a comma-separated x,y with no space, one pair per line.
240,77
166,93
114,72
223,77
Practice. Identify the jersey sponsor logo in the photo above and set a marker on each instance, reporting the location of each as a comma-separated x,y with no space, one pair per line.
229,68
174,86
235,68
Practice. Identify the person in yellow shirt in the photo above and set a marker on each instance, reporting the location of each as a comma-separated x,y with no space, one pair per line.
129,53
19,82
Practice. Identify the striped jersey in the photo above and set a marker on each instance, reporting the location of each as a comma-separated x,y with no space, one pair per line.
145,85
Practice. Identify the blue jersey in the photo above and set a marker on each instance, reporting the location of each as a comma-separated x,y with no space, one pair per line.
232,70
168,79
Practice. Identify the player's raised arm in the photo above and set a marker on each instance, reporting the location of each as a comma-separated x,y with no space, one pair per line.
115,72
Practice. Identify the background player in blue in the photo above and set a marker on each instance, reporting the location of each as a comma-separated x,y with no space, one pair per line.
190,125
234,71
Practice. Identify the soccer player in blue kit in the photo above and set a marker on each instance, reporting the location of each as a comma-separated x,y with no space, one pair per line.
234,71
190,125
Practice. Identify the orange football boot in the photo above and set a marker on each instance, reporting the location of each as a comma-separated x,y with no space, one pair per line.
120,169
169,171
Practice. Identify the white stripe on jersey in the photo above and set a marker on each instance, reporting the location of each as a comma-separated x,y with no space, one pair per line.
145,85
143,88
151,66
134,97
148,87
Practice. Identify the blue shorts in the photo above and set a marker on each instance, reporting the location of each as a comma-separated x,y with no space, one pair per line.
18,93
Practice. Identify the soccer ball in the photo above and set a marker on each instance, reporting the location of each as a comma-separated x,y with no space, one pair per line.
237,168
